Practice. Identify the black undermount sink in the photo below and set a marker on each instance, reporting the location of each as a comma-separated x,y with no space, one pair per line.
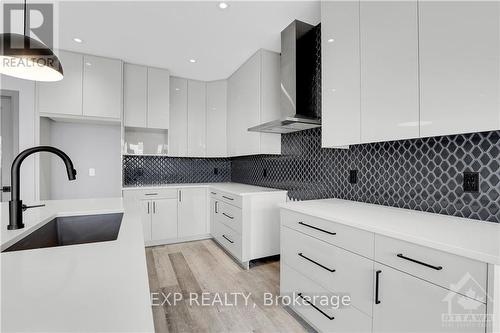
71,230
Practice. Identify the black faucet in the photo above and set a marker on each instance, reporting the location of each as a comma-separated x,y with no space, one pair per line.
16,206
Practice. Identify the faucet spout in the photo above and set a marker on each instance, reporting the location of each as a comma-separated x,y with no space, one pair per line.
16,206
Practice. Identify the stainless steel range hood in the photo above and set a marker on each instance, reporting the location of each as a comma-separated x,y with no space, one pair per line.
300,81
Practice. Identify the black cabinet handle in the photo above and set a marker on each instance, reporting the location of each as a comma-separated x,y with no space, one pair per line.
180,196
228,198
315,262
228,216
377,281
314,306
154,207
230,241
437,268
214,193
216,207
316,228
151,194
148,207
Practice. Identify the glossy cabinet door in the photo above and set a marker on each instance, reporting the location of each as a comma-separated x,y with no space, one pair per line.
270,91
196,131
409,304
102,87
158,96
192,212
135,90
216,119
389,70
145,206
459,66
177,133
164,219
244,108
63,97
213,214
340,73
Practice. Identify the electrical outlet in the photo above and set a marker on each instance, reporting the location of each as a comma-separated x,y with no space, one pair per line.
216,171
471,182
91,172
353,176
264,173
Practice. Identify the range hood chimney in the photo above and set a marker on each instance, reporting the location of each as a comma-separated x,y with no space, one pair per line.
300,81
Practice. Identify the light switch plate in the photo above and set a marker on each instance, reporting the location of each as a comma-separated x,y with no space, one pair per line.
91,172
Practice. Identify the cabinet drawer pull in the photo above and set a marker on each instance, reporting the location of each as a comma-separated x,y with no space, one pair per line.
151,194
377,281
214,193
228,216
314,306
216,207
228,198
437,268
316,228
315,262
230,241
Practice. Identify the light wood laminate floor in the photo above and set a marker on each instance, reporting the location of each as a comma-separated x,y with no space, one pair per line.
202,268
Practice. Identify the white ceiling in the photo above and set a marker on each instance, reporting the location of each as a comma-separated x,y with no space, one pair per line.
167,34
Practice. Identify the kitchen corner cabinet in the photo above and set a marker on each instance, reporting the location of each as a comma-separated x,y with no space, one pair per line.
216,142
253,98
196,119
193,212
102,87
459,66
177,134
146,97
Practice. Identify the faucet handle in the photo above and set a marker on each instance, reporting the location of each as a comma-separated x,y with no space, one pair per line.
34,206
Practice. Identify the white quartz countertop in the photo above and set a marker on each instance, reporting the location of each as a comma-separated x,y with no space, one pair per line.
94,287
234,188
473,239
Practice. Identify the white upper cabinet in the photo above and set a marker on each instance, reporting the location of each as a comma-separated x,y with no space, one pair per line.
253,98
177,134
63,97
340,73
389,70
216,119
102,87
135,79
196,132
158,98
459,66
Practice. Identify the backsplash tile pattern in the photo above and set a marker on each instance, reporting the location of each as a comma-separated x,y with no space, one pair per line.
157,170
422,174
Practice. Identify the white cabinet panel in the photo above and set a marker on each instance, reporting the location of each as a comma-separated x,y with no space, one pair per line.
216,119
244,108
164,219
270,100
158,98
192,210
65,96
409,304
102,87
145,206
389,70
340,78
135,91
459,66
177,133
196,118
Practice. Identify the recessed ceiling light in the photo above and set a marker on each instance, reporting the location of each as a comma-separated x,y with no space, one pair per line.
223,5
192,61
331,40
77,40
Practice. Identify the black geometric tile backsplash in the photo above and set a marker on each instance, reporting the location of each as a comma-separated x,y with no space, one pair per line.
157,170
422,174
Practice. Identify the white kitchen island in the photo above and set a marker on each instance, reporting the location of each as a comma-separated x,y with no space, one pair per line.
94,287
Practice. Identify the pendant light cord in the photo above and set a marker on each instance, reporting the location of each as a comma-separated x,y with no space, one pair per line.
25,13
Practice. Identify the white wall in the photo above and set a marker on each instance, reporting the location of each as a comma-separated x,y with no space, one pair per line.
88,146
26,91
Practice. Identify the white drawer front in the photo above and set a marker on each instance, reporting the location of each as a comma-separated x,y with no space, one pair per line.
162,193
444,269
335,269
232,199
229,215
228,238
352,239
347,319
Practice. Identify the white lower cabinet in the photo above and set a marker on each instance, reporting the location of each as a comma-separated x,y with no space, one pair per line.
396,287
408,304
164,219
192,209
